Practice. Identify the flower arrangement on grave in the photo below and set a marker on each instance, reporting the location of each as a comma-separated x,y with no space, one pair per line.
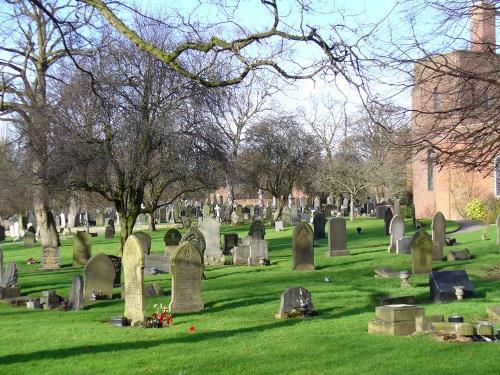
31,261
94,296
160,318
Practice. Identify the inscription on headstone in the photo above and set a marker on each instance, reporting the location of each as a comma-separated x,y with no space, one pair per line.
421,247
133,264
51,258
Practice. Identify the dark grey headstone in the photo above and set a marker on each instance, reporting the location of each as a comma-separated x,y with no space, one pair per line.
172,237
441,285
75,299
9,277
387,220
319,222
230,241
257,230
109,233
292,298
29,239
117,264
2,233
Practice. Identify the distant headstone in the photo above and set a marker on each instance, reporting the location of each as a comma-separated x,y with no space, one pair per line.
230,241
145,240
241,252
396,230
319,222
396,208
75,299
82,248
403,245
99,274
286,216
29,239
293,299
111,225
117,264
269,213
156,264
153,290
172,237
278,225
210,228
2,233
109,233
99,219
438,235
257,230
421,247
51,258
9,277
186,223
454,255
337,243
250,251
441,285
302,248
187,268
387,220
133,289
234,218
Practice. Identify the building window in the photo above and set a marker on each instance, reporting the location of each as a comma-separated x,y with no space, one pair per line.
436,100
496,176
430,171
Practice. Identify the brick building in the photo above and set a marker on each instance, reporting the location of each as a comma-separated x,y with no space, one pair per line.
453,93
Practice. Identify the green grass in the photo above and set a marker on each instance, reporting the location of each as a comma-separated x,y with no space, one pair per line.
237,332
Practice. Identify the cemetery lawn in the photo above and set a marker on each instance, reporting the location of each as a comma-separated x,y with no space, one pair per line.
237,332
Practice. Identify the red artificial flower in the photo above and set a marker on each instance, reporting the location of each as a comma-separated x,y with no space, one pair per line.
191,329
169,319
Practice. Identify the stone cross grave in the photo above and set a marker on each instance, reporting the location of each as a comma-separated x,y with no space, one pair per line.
302,248
133,289
438,235
186,268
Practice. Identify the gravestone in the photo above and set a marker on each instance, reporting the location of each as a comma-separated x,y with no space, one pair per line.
117,264
234,218
292,299
396,208
239,212
111,225
421,247
196,237
257,230
156,264
230,241
99,274
29,239
210,228
99,219
278,225
403,245
258,250
269,213
109,233
82,248
2,233
438,235
241,253
441,285
396,230
145,240
172,237
294,215
9,277
153,290
51,258
133,275
337,242
302,248
387,220
286,216
75,299
454,255
187,268
206,211
319,222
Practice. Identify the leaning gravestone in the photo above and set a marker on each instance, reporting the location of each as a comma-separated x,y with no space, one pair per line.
337,243
302,248
186,268
29,239
292,299
99,274
133,289
257,230
145,241
421,247
75,299
82,248
51,258
441,285
397,231
319,222
210,228
438,235
194,236
387,220
2,233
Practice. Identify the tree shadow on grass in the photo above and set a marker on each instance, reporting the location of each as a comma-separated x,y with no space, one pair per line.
138,345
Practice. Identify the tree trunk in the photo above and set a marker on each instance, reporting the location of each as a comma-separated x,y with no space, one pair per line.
352,207
230,200
281,204
73,213
152,224
45,219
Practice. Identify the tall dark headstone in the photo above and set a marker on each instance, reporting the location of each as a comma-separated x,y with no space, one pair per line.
319,222
438,235
257,230
117,264
302,248
337,242
387,220
29,239
230,241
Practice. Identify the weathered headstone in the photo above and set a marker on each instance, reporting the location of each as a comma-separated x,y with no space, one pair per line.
186,268
396,230
278,225
234,218
172,237
153,290
293,299
51,258
286,216
302,248
29,239
82,248
438,235
133,289
99,219
230,241
269,213
257,230
337,243
9,277
109,233
210,228
403,245
75,299
421,247
156,264
194,236
319,222
258,250
387,220
145,240
241,253
99,274
441,285
117,264
111,225
454,255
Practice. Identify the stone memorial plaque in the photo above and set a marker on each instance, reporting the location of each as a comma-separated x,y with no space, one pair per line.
230,241
438,235
397,231
51,258
82,248
133,275
292,298
210,228
421,247
337,243
257,230
302,248
187,268
99,274
75,299
441,285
